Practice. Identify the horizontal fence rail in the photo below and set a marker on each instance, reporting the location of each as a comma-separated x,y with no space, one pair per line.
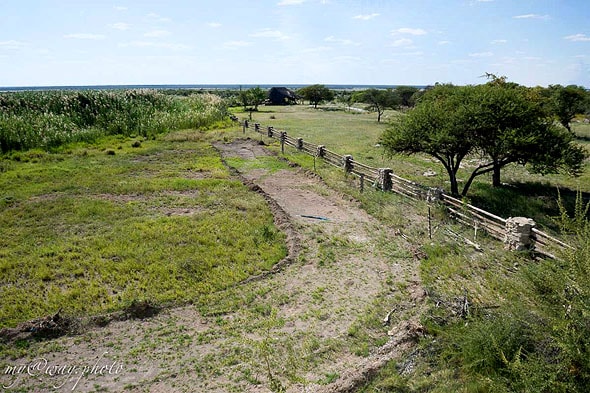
386,180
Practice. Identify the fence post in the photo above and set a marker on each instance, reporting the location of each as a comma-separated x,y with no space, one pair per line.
299,143
385,182
362,183
519,234
321,152
347,163
283,137
257,127
269,131
246,124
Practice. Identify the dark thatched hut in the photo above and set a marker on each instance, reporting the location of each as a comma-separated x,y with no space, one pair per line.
282,96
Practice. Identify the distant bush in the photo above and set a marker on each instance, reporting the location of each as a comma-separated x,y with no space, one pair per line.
48,119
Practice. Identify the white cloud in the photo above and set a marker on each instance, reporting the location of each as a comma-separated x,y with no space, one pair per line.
151,44
531,16
484,1
290,2
481,54
317,49
85,36
409,30
415,53
495,42
214,25
157,33
268,33
12,44
236,44
366,16
120,26
402,42
340,41
444,42
120,8
577,38
157,17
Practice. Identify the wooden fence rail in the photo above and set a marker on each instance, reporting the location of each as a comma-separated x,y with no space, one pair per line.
386,180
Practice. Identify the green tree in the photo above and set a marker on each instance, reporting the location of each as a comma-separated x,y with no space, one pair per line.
500,122
379,100
567,102
406,94
252,97
257,96
435,127
316,94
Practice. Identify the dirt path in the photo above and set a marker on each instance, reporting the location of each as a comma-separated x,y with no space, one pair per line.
312,326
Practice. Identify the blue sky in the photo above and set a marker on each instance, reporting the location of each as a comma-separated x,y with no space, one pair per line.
418,42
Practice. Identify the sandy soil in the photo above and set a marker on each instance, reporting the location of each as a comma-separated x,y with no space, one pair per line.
302,344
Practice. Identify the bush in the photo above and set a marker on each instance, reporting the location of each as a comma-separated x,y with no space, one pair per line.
53,118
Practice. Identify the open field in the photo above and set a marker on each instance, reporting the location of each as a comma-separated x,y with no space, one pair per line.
525,194
97,228
88,232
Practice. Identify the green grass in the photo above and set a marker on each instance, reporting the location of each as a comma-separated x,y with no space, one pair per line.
516,337
524,194
91,233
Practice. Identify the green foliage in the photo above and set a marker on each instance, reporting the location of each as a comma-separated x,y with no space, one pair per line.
379,100
499,123
566,102
48,119
316,94
252,98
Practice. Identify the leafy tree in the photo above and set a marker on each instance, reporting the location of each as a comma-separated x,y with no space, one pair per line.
501,122
379,100
316,94
257,96
567,102
345,97
244,98
406,94
252,97
433,127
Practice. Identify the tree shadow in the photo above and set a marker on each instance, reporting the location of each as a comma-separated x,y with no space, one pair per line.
536,200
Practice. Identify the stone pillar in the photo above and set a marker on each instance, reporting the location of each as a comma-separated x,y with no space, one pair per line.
519,234
384,180
347,163
434,194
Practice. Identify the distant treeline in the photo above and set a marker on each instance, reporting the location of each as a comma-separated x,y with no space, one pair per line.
47,119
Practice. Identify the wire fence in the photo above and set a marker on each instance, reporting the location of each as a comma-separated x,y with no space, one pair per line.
386,180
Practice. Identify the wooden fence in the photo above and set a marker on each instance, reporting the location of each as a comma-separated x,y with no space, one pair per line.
385,179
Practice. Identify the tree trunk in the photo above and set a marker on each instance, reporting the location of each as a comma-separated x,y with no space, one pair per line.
453,181
496,175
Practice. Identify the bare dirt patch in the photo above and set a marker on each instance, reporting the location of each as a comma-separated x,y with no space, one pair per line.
308,325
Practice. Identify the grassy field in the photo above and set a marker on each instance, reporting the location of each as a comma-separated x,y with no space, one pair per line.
96,227
357,133
93,227
526,323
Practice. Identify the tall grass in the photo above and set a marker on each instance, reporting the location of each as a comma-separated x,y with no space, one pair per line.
47,119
